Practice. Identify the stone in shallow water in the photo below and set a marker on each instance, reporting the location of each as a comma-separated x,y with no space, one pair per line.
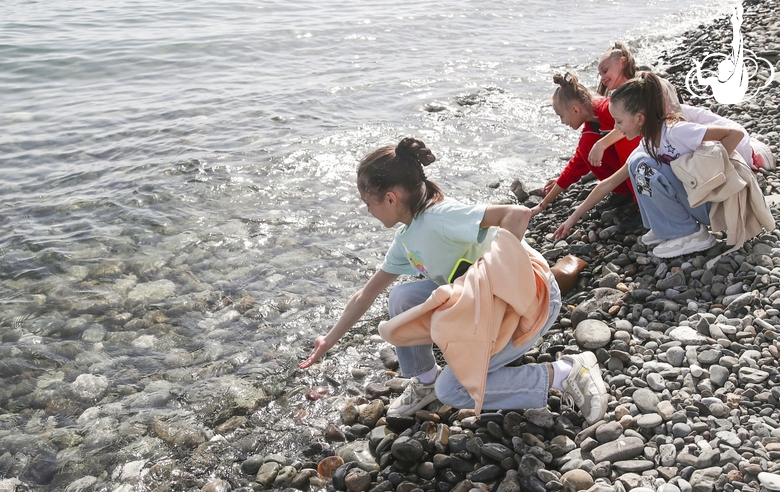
285,477
357,480
89,386
153,291
317,393
407,449
177,434
358,451
371,413
267,473
327,466
81,484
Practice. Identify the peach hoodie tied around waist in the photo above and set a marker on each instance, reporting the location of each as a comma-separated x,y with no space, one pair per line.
504,296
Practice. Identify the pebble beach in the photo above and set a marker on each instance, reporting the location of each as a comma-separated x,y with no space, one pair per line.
689,354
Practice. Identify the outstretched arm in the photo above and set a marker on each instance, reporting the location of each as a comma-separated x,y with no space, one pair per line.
513,218
356,307
548,198
600,191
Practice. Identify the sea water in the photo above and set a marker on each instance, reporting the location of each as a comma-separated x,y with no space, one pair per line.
179,219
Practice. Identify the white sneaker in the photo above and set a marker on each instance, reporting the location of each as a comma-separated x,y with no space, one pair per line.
416,396
585,386
649,239
698,241
762,155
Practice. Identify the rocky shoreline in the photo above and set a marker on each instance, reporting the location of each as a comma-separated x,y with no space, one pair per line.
689,355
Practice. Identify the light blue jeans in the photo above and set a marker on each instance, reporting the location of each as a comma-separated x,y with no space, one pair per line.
663,201
524,386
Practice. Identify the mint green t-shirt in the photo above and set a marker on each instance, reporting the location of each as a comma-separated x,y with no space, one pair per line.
437,238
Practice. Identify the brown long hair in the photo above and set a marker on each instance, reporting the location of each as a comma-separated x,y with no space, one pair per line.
400,165
645,94
619,50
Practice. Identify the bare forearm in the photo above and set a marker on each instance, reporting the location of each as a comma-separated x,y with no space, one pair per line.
600,191
552,195
357,306
611,138
731,141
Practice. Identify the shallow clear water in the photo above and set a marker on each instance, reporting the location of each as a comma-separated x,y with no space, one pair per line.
178,197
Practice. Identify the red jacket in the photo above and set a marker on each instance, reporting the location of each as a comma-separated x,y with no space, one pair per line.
623,146
579,166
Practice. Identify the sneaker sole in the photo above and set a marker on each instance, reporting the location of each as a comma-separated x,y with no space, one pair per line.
693,248
411,411
651,243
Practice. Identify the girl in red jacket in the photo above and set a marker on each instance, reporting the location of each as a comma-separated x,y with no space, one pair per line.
576,107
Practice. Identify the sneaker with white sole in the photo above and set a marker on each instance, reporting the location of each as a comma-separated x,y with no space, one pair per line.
585,387
649,239
693,243
415,397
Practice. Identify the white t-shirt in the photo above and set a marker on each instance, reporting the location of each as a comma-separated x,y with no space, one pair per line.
679,138
706,117
437,238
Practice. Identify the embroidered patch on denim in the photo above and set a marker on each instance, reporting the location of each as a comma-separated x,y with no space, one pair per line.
642,178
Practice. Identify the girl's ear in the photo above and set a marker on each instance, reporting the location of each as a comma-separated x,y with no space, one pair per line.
576,109
623,62
391,198
640,118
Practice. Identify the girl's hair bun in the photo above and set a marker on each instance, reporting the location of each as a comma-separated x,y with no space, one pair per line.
565,79
416,150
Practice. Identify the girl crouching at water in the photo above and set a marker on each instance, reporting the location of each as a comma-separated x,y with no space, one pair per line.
483,320
617,66
577,107
676,228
